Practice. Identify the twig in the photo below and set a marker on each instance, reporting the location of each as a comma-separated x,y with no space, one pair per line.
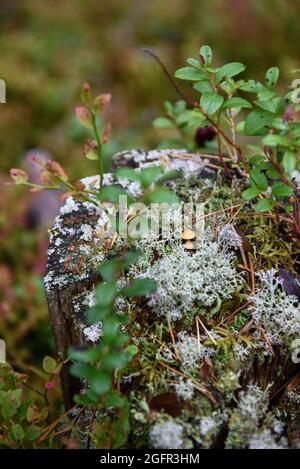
168,75
56,422
198,335
231,315
233,133
196,385
206,330
252,274
173,339
202,155
246,264
246,327
166,347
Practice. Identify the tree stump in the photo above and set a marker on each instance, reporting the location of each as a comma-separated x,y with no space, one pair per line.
74,255
73,258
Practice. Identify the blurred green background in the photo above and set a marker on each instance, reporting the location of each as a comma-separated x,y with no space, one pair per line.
48,48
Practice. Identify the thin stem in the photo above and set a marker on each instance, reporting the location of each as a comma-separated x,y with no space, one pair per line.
99,150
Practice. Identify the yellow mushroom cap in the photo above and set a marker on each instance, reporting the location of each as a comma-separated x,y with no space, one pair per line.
188,234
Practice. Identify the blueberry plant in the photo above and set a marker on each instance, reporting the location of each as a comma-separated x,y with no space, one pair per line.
24,419
256,127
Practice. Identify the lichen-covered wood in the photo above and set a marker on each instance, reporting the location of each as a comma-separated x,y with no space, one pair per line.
75,251
245,364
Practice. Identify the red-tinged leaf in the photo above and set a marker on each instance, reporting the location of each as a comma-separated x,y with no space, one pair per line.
206,370
166,402
85,94
50,385
106,133
18,176
56,169
101,102
83,115
90,149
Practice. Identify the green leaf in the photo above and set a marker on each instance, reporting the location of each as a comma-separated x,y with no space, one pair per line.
280,190
256,120
272,76
105,293
206,53
161,195
194,63
251,86
128,173
172,174
229,70
115,400
113,360
97,313
236,103
259,179
162,122
266,95
111,331
179,106
112,194
203,86
10,402
289,161
274,140
84,371
88,355
110,270
101,384
149,175
50,365
17,432
129,258
264,205
190,73
211,102
131,351
139,287
32,433
251,193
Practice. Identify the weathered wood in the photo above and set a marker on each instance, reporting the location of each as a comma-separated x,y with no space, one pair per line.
74,255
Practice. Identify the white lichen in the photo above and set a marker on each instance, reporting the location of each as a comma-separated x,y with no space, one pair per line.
93,333
166,435
184,389
70,206
277,311
206,425
229,238
185,280
191,351
87,232
265,440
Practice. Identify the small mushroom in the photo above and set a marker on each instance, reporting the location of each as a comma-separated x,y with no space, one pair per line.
189,245
187,235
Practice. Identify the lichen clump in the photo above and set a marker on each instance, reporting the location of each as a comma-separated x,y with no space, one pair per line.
186,280
278,312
